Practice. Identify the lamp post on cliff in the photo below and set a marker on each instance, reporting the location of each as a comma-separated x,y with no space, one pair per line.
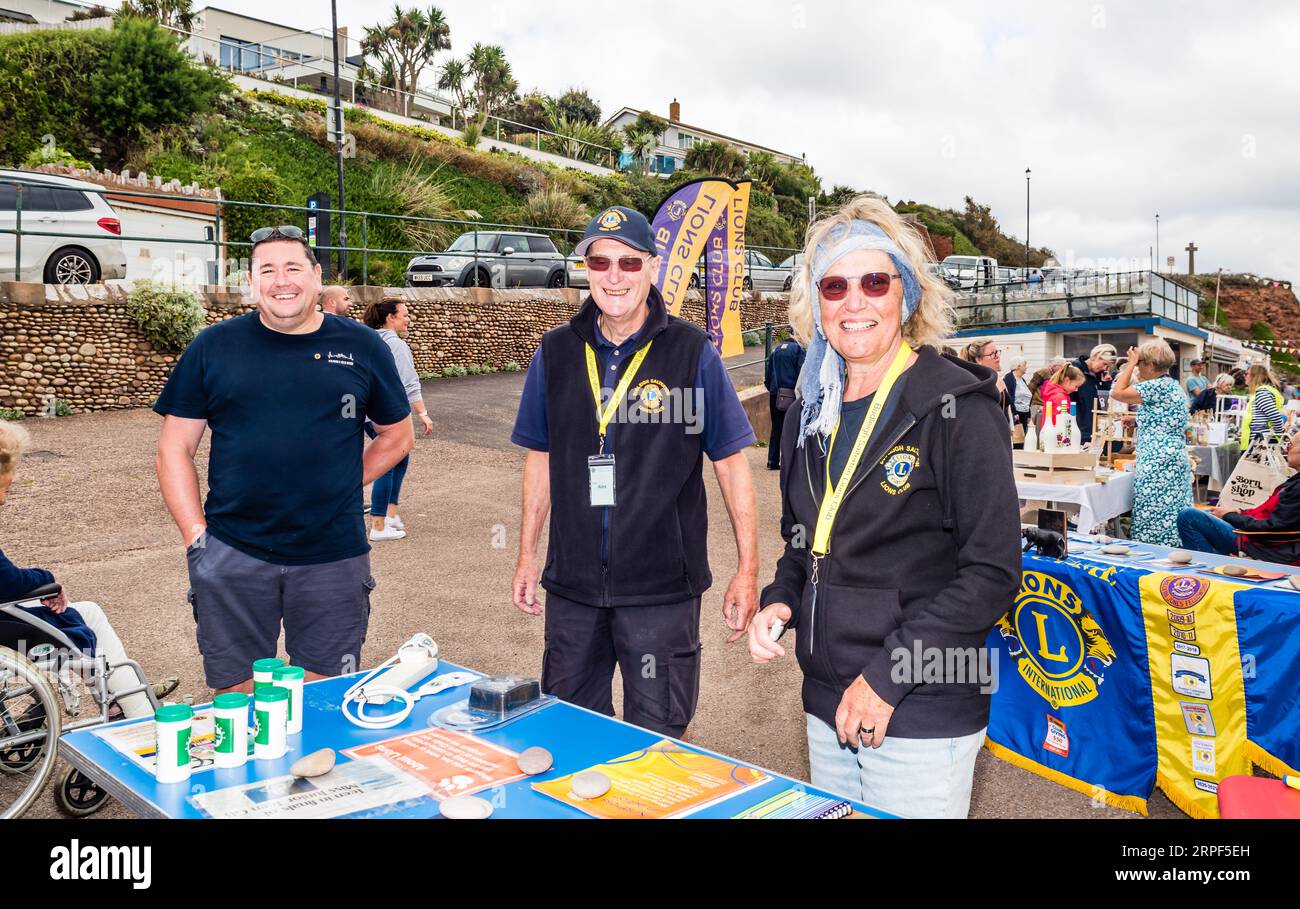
1155,266
338,147
1026,219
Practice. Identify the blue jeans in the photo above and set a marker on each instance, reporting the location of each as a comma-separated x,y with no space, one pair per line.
913,778
387,488
1203,532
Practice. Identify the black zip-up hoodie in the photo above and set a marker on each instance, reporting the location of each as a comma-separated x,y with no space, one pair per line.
650,549
926,558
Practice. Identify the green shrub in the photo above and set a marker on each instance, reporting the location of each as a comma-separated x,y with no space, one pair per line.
44,89
511,366
455,372
56,407
168,318
11,414
146,82
752,338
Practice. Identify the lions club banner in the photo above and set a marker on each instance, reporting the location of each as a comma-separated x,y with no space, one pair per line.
1126,679
1077,708
709,212
724,264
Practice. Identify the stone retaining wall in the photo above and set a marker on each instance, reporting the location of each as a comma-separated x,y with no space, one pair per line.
78,345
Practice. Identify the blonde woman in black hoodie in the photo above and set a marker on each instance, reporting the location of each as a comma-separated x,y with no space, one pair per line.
901,524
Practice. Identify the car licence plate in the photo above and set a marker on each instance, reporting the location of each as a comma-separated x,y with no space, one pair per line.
425,278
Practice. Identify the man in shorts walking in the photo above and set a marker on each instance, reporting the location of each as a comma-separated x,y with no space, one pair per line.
281,537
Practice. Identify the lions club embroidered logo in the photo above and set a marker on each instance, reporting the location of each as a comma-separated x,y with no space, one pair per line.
1183,592
898,465
652,395
1060,649
611,219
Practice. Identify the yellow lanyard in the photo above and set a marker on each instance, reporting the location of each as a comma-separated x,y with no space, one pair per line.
593,373
834,497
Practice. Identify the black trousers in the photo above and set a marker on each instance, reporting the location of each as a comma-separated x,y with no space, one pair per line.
774,443
657,648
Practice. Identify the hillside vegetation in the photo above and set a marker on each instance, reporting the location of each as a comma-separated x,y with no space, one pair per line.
147,107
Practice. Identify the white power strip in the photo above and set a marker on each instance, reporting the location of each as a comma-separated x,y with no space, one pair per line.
416,659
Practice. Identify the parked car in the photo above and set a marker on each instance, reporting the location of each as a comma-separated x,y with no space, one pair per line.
76,237
491,259
943,274
793,264
973,271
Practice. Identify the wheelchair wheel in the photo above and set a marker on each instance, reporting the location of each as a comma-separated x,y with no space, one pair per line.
30,724
15,759
77,795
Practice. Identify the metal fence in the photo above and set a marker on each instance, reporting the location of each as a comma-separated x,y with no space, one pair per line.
229,256
315,73
1078,297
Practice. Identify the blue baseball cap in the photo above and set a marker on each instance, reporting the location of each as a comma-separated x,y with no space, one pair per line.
626,225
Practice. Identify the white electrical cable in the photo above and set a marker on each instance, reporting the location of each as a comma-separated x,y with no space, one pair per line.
418,657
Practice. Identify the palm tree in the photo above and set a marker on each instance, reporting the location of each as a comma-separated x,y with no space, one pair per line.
491,82
407,45
761,167
642,143
451,78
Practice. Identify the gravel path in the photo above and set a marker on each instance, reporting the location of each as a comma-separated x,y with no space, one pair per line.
86,505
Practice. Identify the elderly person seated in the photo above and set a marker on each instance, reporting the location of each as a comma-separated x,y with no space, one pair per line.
1162,481
1268,533
1208,399
84,623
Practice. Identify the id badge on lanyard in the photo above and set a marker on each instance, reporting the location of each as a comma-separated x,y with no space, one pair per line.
600,467
600,476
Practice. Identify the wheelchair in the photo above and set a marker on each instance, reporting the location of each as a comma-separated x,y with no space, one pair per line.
39,667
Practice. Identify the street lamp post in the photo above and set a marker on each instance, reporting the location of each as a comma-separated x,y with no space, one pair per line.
1026,219
338,146
1155,266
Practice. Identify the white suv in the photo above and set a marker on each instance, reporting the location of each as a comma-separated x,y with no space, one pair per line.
52,208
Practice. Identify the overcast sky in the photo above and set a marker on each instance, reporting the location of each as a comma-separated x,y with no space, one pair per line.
1122,109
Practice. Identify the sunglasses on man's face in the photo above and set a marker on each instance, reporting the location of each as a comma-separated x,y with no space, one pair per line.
625,263
873,284
284,232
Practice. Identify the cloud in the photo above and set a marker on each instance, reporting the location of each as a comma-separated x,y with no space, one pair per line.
1122,109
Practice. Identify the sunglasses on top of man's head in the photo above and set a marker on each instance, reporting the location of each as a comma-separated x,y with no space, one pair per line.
283,232
625,263
873,284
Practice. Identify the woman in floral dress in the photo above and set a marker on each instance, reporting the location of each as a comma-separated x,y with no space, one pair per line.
1162,485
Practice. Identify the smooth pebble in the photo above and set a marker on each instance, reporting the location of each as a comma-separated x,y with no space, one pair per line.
1181,556
1235,571
318,763
535,760
589,784
465,808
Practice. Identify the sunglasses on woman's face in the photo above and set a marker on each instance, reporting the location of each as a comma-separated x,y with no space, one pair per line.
625,263
874,284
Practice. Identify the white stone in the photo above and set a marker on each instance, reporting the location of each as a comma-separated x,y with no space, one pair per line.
318,763
465,808
589,784
535,760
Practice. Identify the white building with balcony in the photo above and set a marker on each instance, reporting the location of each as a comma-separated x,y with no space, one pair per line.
669,154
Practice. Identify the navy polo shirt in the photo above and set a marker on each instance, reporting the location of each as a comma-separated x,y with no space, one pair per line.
726,427
286,415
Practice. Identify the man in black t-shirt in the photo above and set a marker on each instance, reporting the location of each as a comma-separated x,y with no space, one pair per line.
285,391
